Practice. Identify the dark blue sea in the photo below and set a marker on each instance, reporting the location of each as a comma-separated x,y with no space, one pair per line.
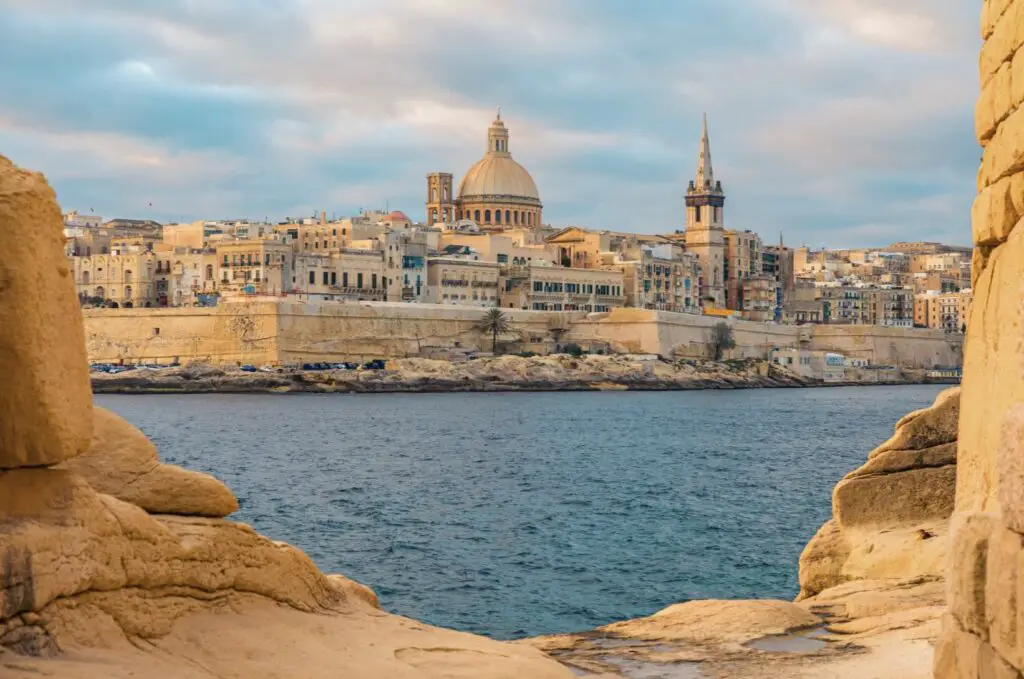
521,514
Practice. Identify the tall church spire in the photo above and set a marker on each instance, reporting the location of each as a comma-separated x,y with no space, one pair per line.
705,172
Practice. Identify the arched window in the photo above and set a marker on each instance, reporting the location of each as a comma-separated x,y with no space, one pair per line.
696,216
127,275
476,216
497,216
487,216
508,217
209,272
127,293
515,217
433,195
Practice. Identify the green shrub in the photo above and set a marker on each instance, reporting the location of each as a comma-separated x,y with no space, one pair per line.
573,350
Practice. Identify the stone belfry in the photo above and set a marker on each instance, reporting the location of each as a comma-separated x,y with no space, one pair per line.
440,198
705,219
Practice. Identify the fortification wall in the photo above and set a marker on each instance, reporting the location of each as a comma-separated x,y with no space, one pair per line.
680,335
982,634
244,332
335,332
902,347
275,331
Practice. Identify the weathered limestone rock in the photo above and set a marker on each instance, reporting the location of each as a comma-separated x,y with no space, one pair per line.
971,533
1010,469
45,402
995,213
1005,38
906,497
890,516
928,427
61,538
995,103
822,561
962,655
122,462
1003,568
992,373
728,621
895,461
1004,155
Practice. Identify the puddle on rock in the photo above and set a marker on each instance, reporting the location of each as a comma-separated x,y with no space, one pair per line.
806,641
637,669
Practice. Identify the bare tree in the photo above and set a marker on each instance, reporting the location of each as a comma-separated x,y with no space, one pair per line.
721,339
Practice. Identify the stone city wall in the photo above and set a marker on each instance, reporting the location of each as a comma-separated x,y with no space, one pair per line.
275,331
983,635
902,347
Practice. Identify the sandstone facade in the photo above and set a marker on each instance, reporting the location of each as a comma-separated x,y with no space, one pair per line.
982,633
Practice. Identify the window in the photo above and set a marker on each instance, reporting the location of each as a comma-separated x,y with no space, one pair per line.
696,216
476,215
359,280
373,281
497,216
487,216
334,278
344,279
312,277
325,277
508,219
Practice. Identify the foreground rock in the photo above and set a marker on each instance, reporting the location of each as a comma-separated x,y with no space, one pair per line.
504,373
878,629
122,462
45,404
891,516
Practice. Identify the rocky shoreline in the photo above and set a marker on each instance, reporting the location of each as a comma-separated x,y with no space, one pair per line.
499,374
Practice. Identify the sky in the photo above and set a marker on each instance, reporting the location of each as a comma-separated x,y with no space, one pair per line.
845,123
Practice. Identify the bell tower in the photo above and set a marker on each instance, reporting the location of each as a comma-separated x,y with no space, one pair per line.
440,199
705,224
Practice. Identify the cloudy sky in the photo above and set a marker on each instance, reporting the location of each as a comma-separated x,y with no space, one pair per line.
838,122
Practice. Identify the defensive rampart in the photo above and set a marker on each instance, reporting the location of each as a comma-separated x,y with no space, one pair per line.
274,331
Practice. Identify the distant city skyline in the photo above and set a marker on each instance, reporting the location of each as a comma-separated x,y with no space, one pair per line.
841,124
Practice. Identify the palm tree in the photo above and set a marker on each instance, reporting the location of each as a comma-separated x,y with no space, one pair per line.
494,322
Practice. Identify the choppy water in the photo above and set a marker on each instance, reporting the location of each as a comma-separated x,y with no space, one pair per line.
522,514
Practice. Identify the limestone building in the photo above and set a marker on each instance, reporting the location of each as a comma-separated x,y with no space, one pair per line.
496,192
705,219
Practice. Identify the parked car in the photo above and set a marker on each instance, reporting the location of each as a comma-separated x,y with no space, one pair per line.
248,368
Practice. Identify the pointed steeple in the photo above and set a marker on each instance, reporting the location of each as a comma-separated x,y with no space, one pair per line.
705,172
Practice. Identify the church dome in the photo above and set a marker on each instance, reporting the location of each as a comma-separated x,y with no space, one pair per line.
497,176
